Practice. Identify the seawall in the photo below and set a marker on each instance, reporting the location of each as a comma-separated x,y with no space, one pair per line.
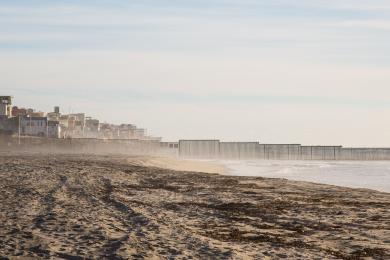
82,145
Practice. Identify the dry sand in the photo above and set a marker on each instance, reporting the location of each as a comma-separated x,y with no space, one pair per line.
113,207
179,164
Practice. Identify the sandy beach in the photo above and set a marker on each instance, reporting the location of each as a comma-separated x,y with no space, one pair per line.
120,207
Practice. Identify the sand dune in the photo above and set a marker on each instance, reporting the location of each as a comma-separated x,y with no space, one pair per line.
114,207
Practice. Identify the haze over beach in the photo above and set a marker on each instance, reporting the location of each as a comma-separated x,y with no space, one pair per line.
195,129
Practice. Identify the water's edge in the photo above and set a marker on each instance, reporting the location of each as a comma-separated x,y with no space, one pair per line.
354,174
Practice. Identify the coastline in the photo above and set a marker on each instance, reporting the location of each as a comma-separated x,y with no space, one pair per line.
303,172
373,175
117,206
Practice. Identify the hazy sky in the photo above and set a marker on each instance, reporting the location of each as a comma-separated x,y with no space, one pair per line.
277,71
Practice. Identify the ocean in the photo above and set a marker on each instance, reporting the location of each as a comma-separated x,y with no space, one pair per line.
355,174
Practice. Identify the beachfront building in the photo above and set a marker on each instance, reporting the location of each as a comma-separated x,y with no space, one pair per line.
20,111
5,106
39,126
34,126
8,126
16,111
55,115
54,129
126,131
79,117
26,121
107,131
76,126
140,133
72,125
92,128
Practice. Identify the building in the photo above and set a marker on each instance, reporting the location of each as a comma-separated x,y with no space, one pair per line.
16,111
34,126
54,129
78,130
92,125
5,106
92,128
139,133
54,116
126,131
107,131
27,121
9,126
75,125
39,126
80,117
36,114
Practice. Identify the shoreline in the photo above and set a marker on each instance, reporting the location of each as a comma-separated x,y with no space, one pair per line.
203,165
177,164
114,206
225,168
352,174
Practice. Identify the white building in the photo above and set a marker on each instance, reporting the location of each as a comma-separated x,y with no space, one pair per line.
5,106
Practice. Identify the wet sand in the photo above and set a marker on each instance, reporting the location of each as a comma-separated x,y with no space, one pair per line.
116,207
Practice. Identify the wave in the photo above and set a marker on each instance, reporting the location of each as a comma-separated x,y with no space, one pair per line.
355,174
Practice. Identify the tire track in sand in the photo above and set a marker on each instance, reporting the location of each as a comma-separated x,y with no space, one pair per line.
45,219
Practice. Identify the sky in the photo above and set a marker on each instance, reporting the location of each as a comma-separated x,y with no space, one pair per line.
281,71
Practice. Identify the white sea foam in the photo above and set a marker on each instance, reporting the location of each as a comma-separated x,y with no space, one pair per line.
355,174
